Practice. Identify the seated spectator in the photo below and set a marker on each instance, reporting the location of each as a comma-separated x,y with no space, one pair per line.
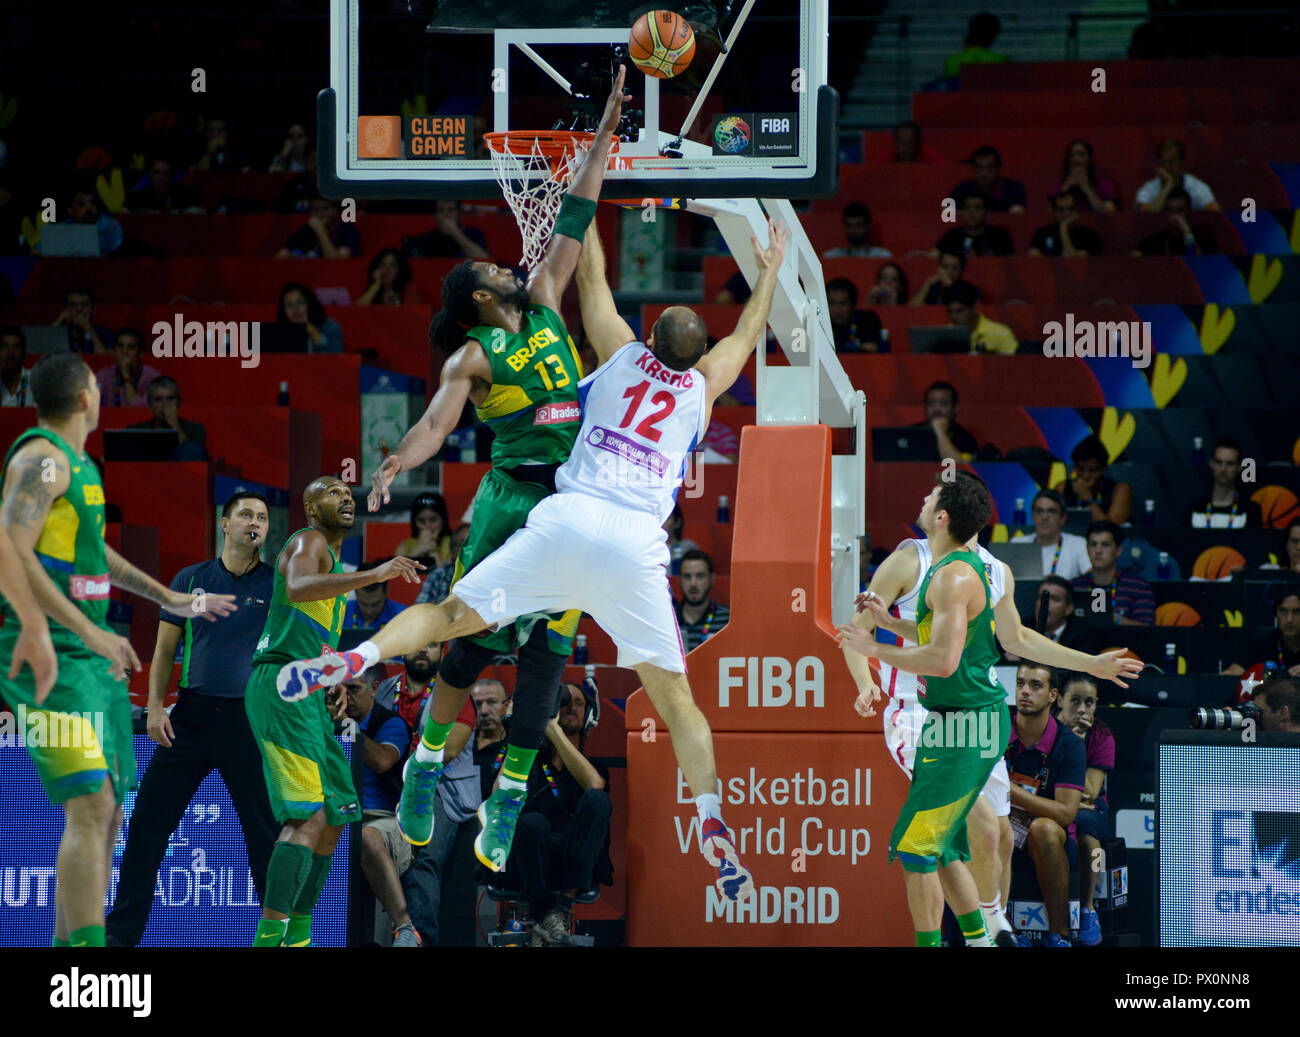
448,239
856,219
83,207
1000,194
299,305
298,192
1227,507
126,383
908,146
407,694
431,883
292,157
390,281
370,608
698,615
1054,617
678,545
1288,552
986,336
1088,486
735,291
955,441
1078,712
981,31
490,701
162,193
1279,705
384,740
561,844
164,399
1180,238
15,380
1079,178
430,539
1065,236
1128,600
1064,554
78,316
1280,646
1152,196
855,330
218,152
890,288
324,236
1048,767
975,237
951,268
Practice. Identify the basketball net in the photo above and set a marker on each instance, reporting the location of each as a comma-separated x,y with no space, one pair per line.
534,170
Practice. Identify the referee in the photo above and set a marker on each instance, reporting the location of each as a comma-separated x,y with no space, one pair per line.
208,727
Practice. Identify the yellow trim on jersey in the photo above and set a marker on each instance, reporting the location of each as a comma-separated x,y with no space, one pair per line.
502,401
923,629
567,624
324,613
297,779
577,361
929,829
59,534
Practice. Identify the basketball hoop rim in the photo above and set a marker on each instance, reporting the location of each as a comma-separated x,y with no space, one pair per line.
553,145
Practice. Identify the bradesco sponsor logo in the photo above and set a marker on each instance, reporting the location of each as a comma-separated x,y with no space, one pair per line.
771,681
557,413
90,588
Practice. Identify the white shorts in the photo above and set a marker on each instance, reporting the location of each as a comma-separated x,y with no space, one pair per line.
579,552
903,720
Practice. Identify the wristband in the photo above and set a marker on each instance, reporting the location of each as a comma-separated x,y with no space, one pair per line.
575,214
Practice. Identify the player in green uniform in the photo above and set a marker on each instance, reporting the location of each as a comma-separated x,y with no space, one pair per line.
967,726
53,513
308,777
514,359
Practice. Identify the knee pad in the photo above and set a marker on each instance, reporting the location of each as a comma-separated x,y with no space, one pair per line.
537,690
463,662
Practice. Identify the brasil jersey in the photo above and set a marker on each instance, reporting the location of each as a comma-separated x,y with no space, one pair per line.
974,683
298,629
71,544
532,407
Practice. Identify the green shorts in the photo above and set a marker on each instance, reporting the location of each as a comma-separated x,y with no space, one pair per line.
304,765
81,734
501,508
947,776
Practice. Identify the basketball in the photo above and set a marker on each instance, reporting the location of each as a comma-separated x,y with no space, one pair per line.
1217,563
1278,504
662,44
1177,614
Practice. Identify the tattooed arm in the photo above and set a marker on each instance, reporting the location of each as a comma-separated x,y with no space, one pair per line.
129,578
38,476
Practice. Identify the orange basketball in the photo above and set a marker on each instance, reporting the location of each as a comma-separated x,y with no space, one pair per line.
1217,563
662,44
1278,504
1177,614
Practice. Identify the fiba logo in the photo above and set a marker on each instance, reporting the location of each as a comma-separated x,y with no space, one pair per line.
732,134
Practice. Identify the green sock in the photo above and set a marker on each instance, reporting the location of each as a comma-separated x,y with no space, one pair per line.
972,929
57,942
435,734
87,936
299,932
270,932
286,874
932,938
519,762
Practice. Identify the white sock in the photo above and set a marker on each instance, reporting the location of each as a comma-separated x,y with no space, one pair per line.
423,754
369,652
992,917
509,783
708,806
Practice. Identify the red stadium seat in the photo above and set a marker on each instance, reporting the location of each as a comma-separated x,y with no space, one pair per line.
1114,107
1131,75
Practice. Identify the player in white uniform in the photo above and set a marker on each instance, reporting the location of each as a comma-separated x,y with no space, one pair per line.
598,543
890,603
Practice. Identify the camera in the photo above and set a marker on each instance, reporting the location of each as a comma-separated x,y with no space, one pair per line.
1206,718
591,84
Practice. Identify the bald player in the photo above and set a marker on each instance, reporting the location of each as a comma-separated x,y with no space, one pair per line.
308,777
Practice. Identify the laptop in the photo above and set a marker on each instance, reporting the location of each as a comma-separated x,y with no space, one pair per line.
1025,560
283,338
139,444
938,340
45,338
904,443
69,239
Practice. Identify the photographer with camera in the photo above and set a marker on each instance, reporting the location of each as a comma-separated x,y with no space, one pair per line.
1278,702
562,839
